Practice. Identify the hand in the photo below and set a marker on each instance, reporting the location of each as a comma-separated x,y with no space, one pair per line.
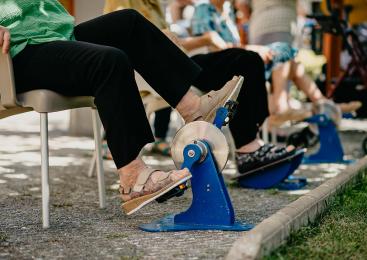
216,41
4,40
265,53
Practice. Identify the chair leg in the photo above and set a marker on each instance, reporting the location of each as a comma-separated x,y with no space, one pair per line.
44,170
265,131
92,165
99,160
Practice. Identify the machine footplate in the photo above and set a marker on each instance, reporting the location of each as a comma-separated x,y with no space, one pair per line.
167,224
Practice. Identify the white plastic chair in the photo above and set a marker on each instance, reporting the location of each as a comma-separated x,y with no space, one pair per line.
45,101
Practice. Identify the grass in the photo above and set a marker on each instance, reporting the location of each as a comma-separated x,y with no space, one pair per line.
340,233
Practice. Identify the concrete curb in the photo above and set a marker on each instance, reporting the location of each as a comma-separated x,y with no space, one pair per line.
274,231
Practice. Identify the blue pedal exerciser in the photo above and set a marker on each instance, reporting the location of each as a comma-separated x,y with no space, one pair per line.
275,175
331,149
202,148
327,117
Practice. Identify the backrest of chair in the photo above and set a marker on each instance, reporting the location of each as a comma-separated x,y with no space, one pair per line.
8,98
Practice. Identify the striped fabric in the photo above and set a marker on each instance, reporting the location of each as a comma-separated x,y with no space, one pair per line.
272,16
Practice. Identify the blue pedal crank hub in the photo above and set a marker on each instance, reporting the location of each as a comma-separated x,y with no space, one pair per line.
211,207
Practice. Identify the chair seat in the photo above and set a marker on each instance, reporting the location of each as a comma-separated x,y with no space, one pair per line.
47,101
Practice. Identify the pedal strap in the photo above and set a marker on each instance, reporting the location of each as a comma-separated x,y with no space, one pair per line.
142,179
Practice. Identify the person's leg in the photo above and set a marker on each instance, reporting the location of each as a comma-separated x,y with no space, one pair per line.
279,98
304,82
218,68
253,106
166,68
309,87
83,69
278,102
160,62
161,123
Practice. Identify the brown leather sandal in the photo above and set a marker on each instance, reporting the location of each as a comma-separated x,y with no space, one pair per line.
296,115
210,102
148,188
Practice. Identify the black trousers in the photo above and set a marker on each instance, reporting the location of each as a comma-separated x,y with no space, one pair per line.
101,63
218,68
161,122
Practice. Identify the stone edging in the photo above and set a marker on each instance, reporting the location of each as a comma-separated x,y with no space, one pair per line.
274,231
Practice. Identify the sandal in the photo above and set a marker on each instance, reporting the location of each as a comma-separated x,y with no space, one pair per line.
265,155
210,102
148,188
296,115
161,147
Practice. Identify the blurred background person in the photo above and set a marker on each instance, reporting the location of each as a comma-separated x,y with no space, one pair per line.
272,21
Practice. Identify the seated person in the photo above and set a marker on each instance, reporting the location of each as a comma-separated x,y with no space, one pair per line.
289,69
279,58
272,21
97,58
176,9
243,13
220,66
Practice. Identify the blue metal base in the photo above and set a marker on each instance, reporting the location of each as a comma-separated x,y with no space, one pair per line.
331,150
167,224
348,115
269,177
315,160
292,183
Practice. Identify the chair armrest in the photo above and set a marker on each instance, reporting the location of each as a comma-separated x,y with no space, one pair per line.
8,98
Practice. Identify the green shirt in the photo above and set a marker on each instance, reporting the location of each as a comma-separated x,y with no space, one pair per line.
35,22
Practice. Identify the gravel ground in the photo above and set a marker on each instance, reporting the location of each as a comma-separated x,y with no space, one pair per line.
79,229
